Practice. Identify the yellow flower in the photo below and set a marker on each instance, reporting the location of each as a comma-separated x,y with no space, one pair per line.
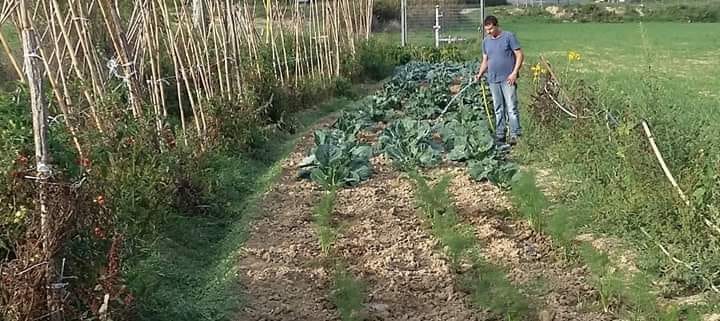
537,70
573,55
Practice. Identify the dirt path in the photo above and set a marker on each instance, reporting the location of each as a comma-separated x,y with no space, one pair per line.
280,271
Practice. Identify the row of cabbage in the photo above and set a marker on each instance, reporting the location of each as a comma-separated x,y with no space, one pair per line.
419,124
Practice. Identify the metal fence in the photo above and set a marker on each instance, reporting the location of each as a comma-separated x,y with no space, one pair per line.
442,22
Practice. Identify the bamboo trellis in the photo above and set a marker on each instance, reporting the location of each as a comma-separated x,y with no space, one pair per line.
206,50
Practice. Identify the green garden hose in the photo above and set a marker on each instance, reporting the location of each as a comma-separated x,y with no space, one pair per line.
487,108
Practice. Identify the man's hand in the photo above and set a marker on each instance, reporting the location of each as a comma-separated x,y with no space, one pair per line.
512,79
478,76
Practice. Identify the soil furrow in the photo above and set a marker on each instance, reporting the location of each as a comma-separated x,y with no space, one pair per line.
385,244
560,291
281,269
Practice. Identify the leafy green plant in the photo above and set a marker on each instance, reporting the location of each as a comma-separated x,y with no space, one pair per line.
337,160
347,295
322,216
466,136
498,172
427,102
408,143
529,200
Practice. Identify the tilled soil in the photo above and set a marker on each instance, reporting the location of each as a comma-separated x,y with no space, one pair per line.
387,247
558,289
280,264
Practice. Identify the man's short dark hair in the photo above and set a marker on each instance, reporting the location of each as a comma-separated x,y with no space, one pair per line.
490,21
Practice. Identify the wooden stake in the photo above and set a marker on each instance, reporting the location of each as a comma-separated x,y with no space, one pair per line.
76,65
669,175
10,55
33,72
112,22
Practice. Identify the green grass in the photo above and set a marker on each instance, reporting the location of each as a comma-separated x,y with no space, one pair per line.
627,294
7,71
189,272
661,73
610,182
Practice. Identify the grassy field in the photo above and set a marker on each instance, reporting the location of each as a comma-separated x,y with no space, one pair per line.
660,72
683,57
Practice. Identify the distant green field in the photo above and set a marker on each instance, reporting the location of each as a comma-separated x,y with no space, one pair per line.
685,56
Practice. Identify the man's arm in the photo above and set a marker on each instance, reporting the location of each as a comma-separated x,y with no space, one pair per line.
519,59
483,67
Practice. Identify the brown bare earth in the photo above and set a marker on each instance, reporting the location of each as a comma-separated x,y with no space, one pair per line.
386,246
560,290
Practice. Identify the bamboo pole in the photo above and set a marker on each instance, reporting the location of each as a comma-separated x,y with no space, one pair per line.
83,18
225,37
270,39
237,59
251,36
156,32
668,174
368,24
201,53
76,65
204,52
154,81
327,39
10,55
336,29
33,72
282,41
87,53
308,54
62,101
317,38
216,49
112,22
296,29
349,27
194,103
179,69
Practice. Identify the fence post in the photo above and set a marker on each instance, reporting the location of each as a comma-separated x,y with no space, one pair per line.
437,26
403,22
34,73
482,20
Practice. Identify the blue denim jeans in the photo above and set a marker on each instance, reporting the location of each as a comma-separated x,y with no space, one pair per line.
505,101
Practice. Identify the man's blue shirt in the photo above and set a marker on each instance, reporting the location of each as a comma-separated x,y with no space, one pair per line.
501,55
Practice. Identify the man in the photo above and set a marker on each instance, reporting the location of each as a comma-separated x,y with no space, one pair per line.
502,59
